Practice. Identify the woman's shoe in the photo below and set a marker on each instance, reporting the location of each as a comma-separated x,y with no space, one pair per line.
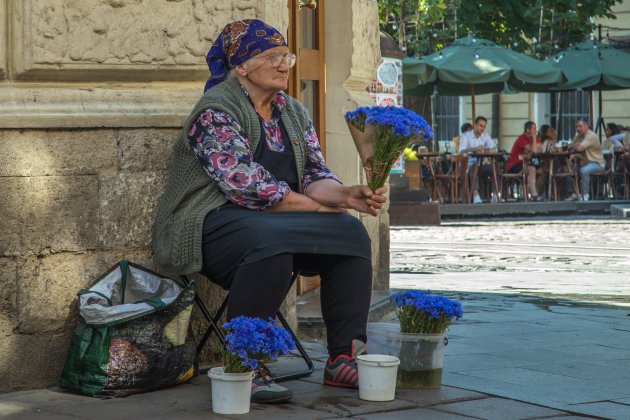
265,390
343,370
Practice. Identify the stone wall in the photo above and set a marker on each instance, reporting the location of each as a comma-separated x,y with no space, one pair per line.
92,94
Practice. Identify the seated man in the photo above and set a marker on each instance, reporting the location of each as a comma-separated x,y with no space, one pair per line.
524,145
587,143
473,141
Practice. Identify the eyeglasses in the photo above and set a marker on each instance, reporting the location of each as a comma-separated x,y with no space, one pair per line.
277,59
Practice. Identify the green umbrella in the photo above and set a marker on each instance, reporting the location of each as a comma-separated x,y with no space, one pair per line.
472,66
591,65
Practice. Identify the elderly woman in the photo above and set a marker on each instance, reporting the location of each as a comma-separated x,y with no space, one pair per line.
249,200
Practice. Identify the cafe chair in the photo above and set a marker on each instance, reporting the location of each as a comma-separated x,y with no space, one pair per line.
431,170
515,184
603,182
624,162
566,172
455,181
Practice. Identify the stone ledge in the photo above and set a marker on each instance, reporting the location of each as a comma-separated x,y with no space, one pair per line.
414,214
620,210
26,105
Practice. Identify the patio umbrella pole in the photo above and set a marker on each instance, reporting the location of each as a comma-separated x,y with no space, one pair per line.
600,120
472,97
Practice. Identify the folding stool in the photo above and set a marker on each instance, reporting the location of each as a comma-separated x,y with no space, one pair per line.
213,327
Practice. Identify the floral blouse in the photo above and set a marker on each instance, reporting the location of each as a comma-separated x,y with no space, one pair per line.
225,152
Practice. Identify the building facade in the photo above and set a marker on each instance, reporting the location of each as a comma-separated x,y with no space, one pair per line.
545,108
92,96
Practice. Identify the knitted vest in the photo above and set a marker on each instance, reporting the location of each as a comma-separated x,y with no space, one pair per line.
190,193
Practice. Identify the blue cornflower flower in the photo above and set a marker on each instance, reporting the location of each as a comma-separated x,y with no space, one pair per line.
395,128
251,341
422,312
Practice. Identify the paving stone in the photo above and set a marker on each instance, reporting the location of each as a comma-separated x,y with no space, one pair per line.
584,370
522,376
536,355
605,409
497,408
429,397
571,417
285,411
421,413
464,362
336,402
502,389
496,343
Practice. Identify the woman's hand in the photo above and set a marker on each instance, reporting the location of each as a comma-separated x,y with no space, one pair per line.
330,193
362,199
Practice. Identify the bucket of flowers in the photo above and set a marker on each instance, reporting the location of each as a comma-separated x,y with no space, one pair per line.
424,319
380,135
249,342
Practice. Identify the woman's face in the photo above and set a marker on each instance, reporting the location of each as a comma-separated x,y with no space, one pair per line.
261,71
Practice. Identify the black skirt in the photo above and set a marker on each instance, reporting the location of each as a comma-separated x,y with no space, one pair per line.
234,235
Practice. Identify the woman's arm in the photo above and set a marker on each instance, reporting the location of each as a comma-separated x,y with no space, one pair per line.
225,154
356,197
299,202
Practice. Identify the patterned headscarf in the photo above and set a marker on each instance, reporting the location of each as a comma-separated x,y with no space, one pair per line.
238,42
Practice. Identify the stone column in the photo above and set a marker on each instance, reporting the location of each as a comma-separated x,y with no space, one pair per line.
352,55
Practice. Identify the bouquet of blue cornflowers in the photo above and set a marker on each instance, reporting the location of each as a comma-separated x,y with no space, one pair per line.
381,134
252,341
423,313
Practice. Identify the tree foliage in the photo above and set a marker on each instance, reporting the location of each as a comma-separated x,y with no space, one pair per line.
536,27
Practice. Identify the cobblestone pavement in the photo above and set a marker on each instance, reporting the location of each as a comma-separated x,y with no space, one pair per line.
576,258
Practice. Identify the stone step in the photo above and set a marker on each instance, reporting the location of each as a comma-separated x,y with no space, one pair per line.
311,324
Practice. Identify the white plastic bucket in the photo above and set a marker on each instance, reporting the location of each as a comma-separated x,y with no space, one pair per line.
231,392
377,376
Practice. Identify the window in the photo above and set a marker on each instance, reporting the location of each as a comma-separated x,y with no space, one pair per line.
566,107
446,124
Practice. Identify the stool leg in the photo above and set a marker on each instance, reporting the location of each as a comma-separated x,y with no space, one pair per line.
309,363
212,320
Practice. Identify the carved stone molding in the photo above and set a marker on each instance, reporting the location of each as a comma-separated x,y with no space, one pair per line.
30,105
122,40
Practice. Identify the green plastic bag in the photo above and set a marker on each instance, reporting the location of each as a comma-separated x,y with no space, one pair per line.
133,334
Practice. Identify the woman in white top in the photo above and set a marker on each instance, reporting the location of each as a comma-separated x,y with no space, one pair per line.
614,136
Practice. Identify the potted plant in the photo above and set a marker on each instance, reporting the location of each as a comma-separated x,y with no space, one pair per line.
424,319
249,342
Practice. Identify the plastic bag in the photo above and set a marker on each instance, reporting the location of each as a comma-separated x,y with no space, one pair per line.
133,334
